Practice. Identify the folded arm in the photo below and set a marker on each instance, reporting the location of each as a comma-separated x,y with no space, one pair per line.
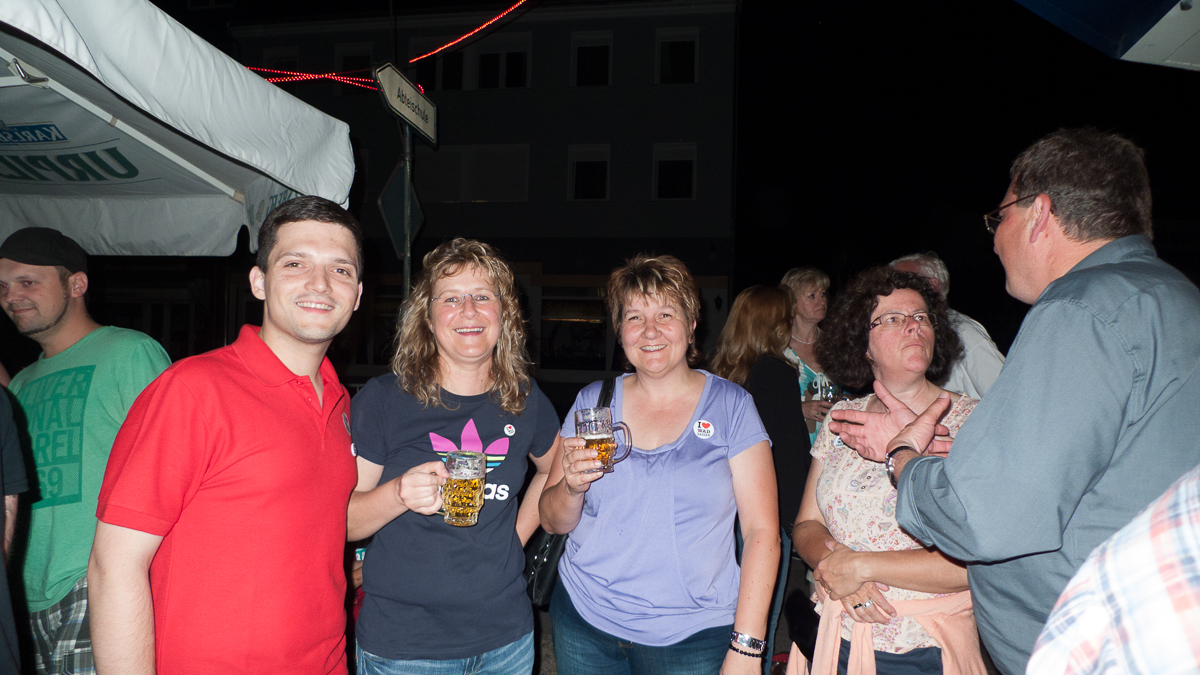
812,540
844,570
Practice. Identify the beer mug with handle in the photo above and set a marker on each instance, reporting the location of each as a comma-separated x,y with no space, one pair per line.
462,495
595,427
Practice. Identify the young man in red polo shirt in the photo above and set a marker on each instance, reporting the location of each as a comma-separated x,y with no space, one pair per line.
223,509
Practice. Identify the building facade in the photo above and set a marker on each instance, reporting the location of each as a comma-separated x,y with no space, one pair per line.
570,135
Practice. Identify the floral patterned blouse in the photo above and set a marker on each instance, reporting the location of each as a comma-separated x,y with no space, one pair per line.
859,506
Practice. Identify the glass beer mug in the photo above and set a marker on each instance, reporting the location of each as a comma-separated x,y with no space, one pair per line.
462,495
824,389
595,427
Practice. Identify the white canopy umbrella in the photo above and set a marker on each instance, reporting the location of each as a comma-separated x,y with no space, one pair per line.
133,136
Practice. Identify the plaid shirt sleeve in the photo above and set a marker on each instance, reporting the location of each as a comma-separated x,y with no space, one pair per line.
1134,606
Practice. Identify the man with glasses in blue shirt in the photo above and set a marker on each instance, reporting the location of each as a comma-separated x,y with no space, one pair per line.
1094,413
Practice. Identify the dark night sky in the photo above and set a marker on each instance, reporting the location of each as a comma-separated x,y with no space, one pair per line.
870,130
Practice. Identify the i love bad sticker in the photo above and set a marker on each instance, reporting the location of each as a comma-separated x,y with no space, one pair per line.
703,429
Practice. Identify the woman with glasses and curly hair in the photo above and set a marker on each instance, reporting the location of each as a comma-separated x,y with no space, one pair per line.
883,597
439,598
648,581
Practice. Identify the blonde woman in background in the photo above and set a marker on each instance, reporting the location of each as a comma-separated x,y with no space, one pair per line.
809,291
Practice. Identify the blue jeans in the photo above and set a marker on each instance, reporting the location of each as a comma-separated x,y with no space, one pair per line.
514,658
582,649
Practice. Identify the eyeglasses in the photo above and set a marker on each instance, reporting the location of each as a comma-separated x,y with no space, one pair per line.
992,219
456,301
894,320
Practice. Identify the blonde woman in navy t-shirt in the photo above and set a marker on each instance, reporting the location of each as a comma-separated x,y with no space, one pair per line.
648,580
440,599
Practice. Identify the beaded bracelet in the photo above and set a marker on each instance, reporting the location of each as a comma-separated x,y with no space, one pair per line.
746,653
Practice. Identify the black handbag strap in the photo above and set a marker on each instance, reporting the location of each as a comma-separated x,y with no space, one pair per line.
606,393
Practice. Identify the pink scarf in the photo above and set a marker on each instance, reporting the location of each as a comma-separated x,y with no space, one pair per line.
949,620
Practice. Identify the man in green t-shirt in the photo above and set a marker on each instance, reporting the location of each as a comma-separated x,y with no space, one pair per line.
73,399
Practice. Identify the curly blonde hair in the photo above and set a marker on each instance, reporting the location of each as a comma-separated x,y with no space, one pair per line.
757,325
664,277
416,362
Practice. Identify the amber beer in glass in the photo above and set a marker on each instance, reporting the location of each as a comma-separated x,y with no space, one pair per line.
462,495
595,427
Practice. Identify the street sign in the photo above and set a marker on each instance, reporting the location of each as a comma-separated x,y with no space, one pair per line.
406,101
393,205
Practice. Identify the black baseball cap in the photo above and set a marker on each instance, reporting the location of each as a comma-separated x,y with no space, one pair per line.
44,246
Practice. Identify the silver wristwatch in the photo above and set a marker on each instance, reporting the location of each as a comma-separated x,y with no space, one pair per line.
890,463
747,641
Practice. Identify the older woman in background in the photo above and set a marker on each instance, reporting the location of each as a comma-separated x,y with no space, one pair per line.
808,288
749,352
648,580
911,602
440,599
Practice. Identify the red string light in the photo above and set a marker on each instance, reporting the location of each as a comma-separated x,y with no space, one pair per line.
451,44
292,76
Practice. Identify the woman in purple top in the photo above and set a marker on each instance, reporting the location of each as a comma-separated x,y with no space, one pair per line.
648,580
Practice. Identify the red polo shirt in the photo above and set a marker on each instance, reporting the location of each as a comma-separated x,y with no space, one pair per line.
233,460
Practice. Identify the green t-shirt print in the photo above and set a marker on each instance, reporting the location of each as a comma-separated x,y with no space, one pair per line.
56,429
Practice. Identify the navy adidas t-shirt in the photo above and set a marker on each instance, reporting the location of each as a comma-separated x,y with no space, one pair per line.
435,591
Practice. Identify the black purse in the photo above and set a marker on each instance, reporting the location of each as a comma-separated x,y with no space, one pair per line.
544,549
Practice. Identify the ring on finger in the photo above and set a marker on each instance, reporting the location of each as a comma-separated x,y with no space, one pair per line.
856,606
868,603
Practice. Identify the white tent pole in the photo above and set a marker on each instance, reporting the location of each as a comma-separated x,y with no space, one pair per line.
111,120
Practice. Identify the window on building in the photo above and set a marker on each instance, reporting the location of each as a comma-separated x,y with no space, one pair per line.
353,60
587,172
489,71
678,56
674,171
498,61
591,59
509,68
516,65
472,173
452,71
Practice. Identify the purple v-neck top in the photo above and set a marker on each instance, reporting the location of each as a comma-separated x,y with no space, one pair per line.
652,558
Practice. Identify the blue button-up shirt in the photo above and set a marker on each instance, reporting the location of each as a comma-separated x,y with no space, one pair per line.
1094,415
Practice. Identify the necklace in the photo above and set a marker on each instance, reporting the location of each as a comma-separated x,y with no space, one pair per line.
808,343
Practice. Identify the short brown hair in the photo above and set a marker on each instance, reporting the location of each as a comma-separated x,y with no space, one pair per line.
664,277
758,324
842,345
416,364
300,209
1097,182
